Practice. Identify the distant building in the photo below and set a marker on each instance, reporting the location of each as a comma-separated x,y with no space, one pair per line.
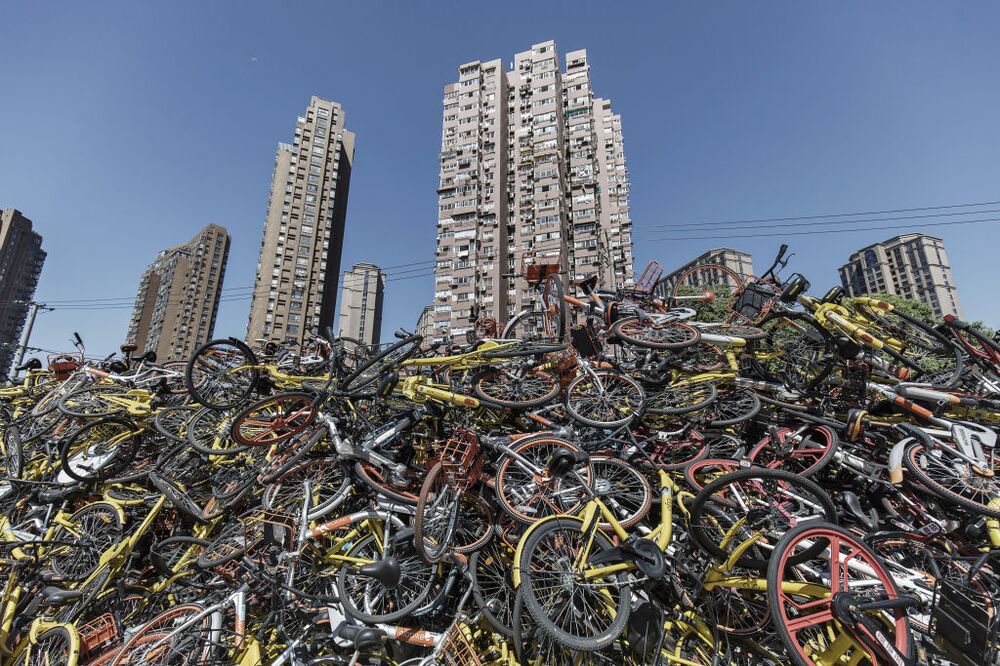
178,296
21,260
361,304
914,266
425,322
532,170
740,263
299,266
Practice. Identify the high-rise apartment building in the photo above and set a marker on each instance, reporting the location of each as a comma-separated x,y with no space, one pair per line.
361,304
299,267
178,297
740,263
21,260
913,266
425,323
532,171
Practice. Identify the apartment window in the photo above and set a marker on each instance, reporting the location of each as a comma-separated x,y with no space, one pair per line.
322,113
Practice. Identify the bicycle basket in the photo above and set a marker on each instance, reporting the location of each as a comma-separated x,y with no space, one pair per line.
98,635
754,301
460,458
585,344
65,364
457,648
536,273
964,624
650,276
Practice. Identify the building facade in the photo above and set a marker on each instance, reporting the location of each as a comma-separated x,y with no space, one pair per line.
425,323
914,266
740,263
532,171
178,297
21,261
299,267
361,304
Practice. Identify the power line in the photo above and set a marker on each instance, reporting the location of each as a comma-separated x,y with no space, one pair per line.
862,221
825,231
820,217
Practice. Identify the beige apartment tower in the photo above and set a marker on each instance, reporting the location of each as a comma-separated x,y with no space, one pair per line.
737,261
21,261
913,266
178,297
361,304
532,171
299,267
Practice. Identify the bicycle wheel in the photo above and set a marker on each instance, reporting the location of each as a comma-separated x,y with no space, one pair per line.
527,325
176,495
176,637
100,449
953,479
515,388
222,374
926,352
493,586
822,612
398,490
748,333
625,490
681,399
369,371
91,530
390,596
208,433
528,491
90,403
604,399
13,452
58,646
804,453
274,420
796,351
172,422
652,335
760,504
580,613
553,307
437,516
329,487
733,406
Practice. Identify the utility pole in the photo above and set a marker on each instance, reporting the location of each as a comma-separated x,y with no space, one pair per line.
25,336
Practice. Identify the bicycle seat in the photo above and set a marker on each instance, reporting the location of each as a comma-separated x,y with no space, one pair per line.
362,637
57,596
563,460
587,284
386,571
31,364
128,348
57,495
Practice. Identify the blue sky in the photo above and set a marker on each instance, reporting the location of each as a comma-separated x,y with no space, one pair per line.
128,126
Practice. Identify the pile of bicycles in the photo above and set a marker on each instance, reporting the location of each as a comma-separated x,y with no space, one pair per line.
611,477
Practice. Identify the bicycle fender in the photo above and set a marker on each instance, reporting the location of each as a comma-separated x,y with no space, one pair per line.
516,571
896,460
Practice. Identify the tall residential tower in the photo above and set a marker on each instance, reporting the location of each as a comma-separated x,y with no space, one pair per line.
299,267
532,171
21,260
913,266
178,297
361,304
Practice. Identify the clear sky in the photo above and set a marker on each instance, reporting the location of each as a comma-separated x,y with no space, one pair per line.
125,127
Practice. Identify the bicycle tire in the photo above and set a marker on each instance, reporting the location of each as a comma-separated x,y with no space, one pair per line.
531,569
829,443
108,462
692,398
222,444
497,585
527,325
939,490
736,406
797,337
631,404
668,336
165,421
822,534
70,403
555,310
700,505
432,550
369,371
202,391
303,409
487,393
177,497
369,476
162,563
